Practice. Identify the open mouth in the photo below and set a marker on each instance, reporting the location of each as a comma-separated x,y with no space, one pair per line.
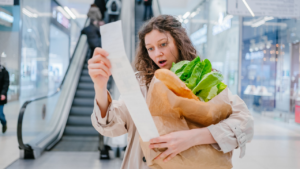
162,62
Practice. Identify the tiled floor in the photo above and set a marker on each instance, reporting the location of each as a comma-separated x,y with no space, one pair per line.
67,160
276,145
9,150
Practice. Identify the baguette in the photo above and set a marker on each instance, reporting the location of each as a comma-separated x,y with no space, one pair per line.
174,84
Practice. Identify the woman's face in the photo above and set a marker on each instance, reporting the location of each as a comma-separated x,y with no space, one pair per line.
161,48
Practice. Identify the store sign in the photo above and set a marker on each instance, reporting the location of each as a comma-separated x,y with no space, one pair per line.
273,8
6,2
255,55
297,114
199,36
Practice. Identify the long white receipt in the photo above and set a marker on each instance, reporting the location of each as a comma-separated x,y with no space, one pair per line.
122,72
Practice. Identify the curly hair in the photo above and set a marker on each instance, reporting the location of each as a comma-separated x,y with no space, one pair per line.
163,23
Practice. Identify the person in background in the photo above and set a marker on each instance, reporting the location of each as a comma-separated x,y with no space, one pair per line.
148,6
94,13
102,6
93,35
139,2
113,9
4,83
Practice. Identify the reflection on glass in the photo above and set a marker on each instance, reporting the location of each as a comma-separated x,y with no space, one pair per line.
268,80
58,57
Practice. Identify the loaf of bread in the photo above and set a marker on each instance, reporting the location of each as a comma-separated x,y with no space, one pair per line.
175,84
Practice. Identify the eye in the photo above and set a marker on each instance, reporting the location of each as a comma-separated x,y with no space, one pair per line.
164,44
150,49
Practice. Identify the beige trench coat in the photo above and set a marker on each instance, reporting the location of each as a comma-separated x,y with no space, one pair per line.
231,133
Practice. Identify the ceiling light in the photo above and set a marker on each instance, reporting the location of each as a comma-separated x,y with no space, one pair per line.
187,14
227,17
28,13
70,12
6,17
61,10
262,21
259,23
193,14
248,7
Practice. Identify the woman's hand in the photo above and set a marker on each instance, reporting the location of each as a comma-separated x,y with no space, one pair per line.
179,141
176,142
99,67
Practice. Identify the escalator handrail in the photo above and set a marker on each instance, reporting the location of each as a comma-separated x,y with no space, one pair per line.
158,5
23,108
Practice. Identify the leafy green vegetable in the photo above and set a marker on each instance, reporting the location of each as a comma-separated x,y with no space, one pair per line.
178,67
209,80
198,76
187,71
221,86
208,93
195,77
207,68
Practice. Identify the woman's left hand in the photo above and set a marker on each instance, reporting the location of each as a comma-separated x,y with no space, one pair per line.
176,142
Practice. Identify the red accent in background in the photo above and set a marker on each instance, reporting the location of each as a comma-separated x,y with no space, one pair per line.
297,114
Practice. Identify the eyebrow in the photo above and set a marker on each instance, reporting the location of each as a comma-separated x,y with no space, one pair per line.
157,41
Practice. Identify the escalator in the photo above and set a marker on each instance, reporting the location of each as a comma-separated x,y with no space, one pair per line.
79,134
61,121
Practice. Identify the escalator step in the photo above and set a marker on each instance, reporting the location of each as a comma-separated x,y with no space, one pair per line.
79,121
85,72
86,102
85,93
77,143
80,131
81,111
86,79
86,86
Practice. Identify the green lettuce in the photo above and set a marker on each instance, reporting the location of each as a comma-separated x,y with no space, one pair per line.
195,77
198,76
178,67
208,93
187,71
221,86
207,68
209,80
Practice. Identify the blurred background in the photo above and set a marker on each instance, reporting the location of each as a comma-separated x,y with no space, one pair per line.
44,47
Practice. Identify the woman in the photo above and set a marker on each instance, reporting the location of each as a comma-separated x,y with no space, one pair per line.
162,42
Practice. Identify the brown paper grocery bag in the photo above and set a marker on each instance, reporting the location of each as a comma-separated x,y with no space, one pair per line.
173,113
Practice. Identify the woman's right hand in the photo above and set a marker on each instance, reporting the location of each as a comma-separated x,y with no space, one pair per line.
99,68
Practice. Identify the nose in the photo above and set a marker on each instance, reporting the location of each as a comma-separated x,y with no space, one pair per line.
158,53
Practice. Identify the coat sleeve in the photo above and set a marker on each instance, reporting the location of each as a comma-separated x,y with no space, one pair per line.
5,83
235,131
116,121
